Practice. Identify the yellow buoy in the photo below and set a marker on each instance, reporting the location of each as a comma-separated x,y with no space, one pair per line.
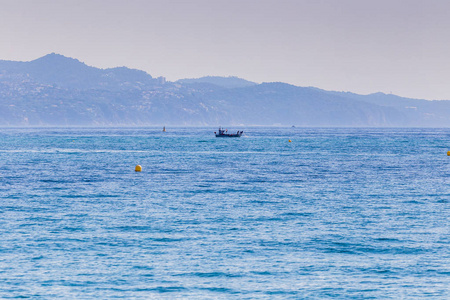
138,168
290,141
448,153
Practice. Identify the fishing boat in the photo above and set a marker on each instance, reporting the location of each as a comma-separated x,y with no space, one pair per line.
224,133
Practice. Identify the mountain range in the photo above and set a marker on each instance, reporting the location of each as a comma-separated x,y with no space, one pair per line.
55,90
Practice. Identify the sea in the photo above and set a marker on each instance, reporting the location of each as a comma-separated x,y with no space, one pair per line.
280,213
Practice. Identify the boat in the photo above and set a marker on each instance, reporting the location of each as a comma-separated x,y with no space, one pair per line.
224,133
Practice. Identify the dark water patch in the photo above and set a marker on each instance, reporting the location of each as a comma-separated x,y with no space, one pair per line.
146,268
446,273
351,248
277,245
380,271
268,219
76,283
103,196
204,185
208,274
165,289
176,171
263,202
133,228
23,209
332,292
77,215
388,240
263,273
339,250
92,180
219,290
414,202
41,219
234,229
297,214
72,229
40,257
258,180
12,196
383,207
74,240
282,292
64,181
73,196
221,191
168,240
187,221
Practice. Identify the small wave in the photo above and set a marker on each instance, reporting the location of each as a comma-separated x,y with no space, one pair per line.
209,274
297,214
219,290
147,268
265,273
387,240
166,289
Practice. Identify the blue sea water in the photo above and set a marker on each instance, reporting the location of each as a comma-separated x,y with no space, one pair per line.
338,213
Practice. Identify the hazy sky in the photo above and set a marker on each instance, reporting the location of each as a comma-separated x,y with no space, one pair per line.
363,46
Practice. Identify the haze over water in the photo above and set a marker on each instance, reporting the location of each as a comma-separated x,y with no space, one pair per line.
336,213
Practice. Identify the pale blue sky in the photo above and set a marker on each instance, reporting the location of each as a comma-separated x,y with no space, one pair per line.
361,46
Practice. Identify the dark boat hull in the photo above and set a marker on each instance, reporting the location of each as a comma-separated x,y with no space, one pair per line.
228,135
223,133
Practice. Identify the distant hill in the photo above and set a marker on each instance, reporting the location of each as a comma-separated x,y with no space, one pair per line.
226,82
60,71
428,113
55,90
284,104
